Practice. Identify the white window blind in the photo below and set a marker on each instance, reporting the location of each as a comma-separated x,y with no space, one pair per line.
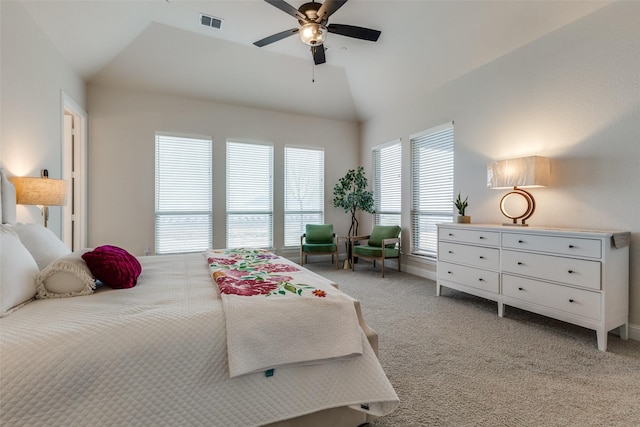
432,186
183,208
249,195
387,183
303,191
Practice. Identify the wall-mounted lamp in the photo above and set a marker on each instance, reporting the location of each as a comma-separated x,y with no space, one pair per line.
42,192
517,173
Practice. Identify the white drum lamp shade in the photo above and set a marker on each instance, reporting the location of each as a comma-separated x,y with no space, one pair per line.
519,173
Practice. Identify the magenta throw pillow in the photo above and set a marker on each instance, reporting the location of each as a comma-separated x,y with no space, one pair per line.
113,266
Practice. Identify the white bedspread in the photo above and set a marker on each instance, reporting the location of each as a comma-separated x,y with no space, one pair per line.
156,355
279,314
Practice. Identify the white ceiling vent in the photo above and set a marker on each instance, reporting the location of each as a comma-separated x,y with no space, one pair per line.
210,21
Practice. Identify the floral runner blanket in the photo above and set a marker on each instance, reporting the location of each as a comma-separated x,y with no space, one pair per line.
279,314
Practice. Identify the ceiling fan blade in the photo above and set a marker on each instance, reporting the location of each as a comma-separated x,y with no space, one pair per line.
287,8
318,54
355,32
328,8
275,37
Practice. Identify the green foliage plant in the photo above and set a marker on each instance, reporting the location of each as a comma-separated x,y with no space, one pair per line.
351,194
461,205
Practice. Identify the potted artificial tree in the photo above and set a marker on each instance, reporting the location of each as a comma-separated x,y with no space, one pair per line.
351,194
461,205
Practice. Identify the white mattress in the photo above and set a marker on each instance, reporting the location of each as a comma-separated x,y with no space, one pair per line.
156,355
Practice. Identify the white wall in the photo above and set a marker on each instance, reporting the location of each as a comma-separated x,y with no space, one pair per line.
34,75
122,126
572,96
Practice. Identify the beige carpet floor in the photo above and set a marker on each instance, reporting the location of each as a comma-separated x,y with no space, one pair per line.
454,362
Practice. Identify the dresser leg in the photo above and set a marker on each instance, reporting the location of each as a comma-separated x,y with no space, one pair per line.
624,331
437,289
500,309
602,339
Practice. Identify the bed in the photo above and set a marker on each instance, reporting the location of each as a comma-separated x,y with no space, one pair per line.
156,354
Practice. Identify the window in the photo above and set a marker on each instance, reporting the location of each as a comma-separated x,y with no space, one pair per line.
387,184
432,186
303,191
183,194
249,195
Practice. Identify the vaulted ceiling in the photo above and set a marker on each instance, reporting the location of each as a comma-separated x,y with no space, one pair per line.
160,45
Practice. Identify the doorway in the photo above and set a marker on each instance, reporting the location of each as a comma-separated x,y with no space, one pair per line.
74,171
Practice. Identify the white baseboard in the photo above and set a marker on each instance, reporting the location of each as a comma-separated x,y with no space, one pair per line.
417,271
634,332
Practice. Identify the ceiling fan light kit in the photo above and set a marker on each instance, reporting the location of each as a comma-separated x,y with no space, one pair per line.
312,34
314,25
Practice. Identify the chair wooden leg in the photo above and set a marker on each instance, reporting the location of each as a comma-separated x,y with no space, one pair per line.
301,257
399,256
383,262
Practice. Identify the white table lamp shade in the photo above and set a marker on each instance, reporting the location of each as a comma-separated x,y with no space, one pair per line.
533,171
40,191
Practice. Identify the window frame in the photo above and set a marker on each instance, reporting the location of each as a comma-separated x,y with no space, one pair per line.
178,173
294,229
238,196
382,186
423,221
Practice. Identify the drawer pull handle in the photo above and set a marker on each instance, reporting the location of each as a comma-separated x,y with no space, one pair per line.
519,263
520,241
448,272
571,246
570,271
481,237
450,252
571,300
521,289
481,257
450,234
481,279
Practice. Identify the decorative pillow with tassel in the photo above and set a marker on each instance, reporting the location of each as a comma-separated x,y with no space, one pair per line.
68,276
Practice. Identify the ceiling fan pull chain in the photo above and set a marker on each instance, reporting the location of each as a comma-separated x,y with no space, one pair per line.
313,72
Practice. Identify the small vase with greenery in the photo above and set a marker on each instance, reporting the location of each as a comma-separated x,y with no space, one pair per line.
461,205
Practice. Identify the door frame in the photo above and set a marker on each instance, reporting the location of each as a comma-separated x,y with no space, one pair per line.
74,171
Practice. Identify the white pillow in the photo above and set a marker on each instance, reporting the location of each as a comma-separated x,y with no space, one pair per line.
67,276
17,284
45,247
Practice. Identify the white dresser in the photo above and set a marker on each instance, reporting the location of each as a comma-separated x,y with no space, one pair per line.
580,277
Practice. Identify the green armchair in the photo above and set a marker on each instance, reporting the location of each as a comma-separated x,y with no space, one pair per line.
318,239
383,243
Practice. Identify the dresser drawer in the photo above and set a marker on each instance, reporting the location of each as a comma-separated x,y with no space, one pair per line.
478,237
579,302
577,272
474,277
579,247
478,256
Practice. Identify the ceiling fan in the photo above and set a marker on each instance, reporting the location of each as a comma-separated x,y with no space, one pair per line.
313,18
